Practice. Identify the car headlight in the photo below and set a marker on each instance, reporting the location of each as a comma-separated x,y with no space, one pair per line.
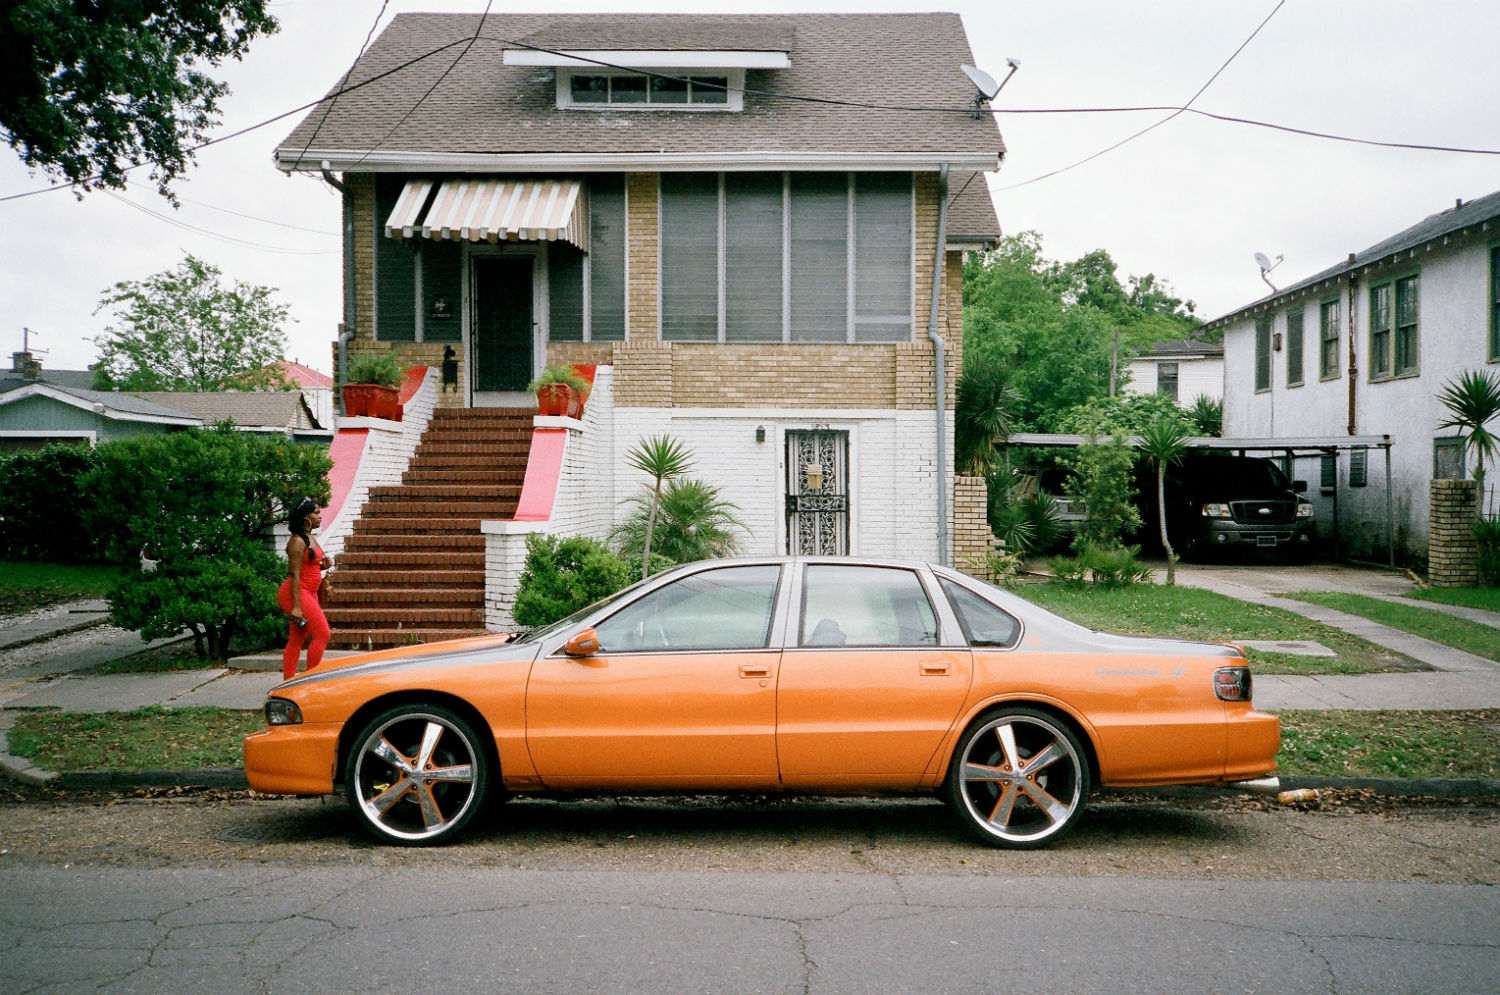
280,712
1216,511
1304,510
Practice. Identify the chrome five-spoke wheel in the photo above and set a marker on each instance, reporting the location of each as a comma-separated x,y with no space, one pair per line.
1018,779
416,775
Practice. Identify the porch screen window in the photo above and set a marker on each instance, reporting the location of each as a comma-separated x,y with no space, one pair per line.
564,293
1328,333
1294,348
395,272
606,263
1263,353
786,257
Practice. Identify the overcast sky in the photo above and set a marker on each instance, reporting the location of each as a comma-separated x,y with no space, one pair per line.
1190,201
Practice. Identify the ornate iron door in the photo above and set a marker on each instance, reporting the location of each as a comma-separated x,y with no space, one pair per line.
817,493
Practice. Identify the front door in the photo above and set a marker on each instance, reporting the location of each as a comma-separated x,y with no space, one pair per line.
501,343
817,493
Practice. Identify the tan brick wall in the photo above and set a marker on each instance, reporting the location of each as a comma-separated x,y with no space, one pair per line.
362,190
972,537
643,374
1452,551
642,255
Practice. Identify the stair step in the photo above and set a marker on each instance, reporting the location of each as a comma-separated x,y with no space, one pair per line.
388,618
405,507
382,542
453,596
489,491
386,638
423,525
465,476
402,560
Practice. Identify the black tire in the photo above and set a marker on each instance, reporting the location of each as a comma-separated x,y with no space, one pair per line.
416,775
1019,778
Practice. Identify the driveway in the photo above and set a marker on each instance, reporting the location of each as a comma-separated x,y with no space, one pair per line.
1281,578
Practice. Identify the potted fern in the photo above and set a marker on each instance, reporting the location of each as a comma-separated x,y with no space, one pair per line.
372,387
559,391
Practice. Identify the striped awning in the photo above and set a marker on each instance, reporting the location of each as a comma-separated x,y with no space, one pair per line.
493,210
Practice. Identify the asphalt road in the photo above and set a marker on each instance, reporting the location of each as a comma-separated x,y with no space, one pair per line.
226,893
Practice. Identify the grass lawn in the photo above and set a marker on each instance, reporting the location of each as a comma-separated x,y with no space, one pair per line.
1487,598
1460,633
1391,744
24,586
145,739
1192,613
1321,744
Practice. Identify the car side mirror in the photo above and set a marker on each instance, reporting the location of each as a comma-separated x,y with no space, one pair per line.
1300,486
584,642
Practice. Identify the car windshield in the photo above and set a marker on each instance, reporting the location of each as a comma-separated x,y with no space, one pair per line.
543,631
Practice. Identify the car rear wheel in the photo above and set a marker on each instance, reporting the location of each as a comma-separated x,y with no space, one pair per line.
416,775
1018,779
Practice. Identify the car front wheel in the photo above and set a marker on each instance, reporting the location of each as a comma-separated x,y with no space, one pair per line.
1018,779
416,775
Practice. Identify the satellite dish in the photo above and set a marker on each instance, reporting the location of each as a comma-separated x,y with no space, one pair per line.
1266,266
1262,260
983,81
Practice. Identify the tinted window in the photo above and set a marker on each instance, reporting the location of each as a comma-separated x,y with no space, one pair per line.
717,609
865,606
984,624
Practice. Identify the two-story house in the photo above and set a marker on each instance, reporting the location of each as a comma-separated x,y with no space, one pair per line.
751,227
1363,349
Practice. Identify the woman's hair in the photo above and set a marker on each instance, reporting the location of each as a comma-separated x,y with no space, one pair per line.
297,520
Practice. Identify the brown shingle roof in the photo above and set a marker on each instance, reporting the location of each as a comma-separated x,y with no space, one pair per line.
617,34
482,108
279,409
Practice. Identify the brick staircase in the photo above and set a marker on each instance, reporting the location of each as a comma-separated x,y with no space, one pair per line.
413,568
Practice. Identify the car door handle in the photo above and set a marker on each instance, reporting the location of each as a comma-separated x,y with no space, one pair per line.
755,670
934,669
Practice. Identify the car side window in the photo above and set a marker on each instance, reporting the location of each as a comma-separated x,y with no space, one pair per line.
865,606
983,623
716,609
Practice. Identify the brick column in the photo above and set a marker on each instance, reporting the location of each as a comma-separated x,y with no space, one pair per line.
1452,552
972,537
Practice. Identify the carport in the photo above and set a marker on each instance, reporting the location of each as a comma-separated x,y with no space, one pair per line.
1288,449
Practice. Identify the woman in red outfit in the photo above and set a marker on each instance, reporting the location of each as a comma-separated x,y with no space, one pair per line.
303,588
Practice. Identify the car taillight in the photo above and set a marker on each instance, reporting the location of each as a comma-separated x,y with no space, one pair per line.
1232,683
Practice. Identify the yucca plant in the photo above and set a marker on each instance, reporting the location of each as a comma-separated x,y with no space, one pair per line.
1473,400
1163,442
662,458
691,523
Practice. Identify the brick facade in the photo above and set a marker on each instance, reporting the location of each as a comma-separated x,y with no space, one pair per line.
1452,551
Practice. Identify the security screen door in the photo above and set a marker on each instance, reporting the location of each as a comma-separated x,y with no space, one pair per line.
817,493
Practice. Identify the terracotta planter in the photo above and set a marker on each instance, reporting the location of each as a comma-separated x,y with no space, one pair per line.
557,399
371,401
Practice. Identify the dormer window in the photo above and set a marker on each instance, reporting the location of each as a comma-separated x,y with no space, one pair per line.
584,89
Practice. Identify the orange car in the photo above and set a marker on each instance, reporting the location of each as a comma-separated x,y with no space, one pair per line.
780,674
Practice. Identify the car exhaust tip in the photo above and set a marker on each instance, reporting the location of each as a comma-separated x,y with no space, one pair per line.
1260,785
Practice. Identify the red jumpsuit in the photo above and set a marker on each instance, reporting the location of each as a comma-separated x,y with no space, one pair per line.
316,631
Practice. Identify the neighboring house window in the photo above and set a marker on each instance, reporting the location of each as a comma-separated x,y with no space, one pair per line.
1448,458
786,257
395,270
675,90
1359,467
1166,380
586,293
1263,353
1328,332
1380,331
1329,473
1408,299
1495,302
1294,348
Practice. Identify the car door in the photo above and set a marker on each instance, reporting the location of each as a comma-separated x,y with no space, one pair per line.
682,692
866,691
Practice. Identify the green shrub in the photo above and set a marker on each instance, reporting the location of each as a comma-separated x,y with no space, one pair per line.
1024,524
1487,534
692,523
378,368
43,505
560,373
1104,566
564,574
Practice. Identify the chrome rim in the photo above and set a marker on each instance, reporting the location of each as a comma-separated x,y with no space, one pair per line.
1021,778
414,777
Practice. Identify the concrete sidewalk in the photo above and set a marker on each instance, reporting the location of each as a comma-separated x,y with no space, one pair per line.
1457,681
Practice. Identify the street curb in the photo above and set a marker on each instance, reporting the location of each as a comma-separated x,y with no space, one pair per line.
66,629
1397,787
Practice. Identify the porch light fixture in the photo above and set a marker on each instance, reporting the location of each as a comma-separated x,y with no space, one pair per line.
760,433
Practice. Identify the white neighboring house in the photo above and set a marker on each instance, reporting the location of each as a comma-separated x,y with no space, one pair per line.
1363,348
1182,370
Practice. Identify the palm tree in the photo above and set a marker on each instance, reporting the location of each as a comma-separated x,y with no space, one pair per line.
1164,441
1473,400
660,457
692,523
981,415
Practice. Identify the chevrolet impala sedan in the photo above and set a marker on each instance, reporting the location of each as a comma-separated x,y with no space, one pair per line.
810,676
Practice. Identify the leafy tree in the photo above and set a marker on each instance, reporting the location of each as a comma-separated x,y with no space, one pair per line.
202,502
1104,477
981,416
42,502
692,523
182,330
94,87
662,458
1163,442
1473,401
564,574
1124,414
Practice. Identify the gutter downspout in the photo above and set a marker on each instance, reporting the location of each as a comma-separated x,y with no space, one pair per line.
346,331
938,258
